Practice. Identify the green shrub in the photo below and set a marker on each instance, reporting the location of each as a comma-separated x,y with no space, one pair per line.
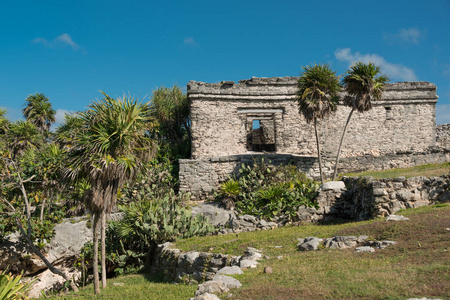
267,191
154,221
145,224
230,188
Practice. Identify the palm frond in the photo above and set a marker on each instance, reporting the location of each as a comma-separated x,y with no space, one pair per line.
363,83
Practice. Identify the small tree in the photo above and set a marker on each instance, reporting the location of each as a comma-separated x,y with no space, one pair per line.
108,151
363,83
169,109
11,177
318,88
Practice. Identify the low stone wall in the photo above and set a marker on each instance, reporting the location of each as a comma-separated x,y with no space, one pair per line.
367,198
189,267
201,176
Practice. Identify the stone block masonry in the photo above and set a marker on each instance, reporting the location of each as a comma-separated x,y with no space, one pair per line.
222,115
443,135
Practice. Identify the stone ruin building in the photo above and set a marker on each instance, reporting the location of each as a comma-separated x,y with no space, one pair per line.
232,123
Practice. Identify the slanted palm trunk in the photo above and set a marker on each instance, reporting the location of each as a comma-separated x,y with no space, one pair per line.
319,156
95,254
340,144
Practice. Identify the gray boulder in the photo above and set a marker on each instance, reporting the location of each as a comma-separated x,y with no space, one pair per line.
230,282
230,271
216,215
211,287
66,244
248,263
336,186
380,244
47,281
341,242
206,296
364,249
309,244
396,218
68,241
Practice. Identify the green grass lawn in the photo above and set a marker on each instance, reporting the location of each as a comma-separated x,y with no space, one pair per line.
139,286
429,170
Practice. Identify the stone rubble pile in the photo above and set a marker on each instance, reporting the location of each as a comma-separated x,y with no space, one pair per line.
342,242
194,267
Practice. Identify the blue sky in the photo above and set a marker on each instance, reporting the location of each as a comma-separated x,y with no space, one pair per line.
70,50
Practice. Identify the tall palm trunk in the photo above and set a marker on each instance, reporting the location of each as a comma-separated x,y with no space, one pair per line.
340,144
103,249
318,151
95,258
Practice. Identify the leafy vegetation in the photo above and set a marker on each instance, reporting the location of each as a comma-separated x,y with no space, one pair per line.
11,287
268,191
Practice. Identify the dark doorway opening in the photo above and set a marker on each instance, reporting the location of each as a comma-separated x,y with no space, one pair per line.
261,137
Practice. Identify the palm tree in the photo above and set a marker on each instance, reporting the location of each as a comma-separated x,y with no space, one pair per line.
318,88
22,135
38,111
66,132
363,83
109,150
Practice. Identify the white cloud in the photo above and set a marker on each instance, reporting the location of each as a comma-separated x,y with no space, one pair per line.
63,40
395,71
446,70
442,113
60,115
406,36
66,39
189,41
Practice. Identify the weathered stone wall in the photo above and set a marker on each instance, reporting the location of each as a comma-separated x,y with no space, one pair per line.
180,266
200,176
367,198
443,135
220,113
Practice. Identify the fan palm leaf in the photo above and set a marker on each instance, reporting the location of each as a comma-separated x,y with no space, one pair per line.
363,83
318,88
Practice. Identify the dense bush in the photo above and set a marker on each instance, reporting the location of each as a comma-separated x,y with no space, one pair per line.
154,221
152,214
267,191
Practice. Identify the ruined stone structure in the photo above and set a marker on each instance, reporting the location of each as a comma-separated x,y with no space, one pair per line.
443,135
231,122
